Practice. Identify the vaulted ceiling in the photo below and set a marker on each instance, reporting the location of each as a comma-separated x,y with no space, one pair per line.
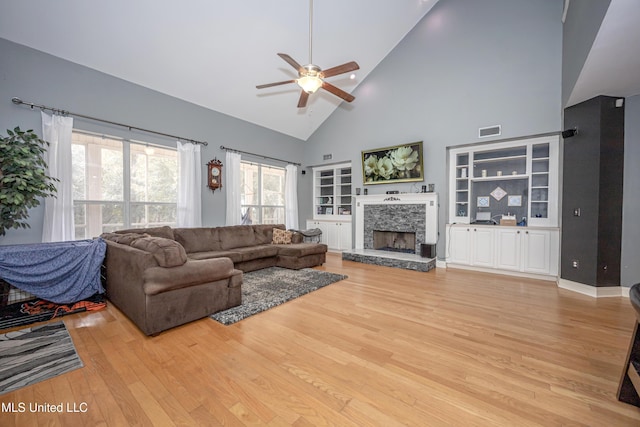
214,53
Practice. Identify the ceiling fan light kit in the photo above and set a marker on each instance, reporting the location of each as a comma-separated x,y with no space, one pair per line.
311,77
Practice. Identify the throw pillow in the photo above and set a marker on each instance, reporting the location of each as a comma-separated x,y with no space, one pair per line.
281,237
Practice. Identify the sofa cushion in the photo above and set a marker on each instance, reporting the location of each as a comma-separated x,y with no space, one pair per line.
157,280
281,237
167,252
301,249
264,232
236,236
123,238
165,231
255,252
202,239
232,255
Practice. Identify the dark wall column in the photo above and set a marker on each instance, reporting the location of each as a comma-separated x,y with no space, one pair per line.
593,163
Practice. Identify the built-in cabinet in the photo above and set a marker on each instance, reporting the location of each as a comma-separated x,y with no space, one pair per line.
332,205
511,177
335,234
516,178
332,187
527,250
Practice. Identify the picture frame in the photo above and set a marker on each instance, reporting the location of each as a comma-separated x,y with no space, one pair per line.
389,165
514,200
328,211
483,202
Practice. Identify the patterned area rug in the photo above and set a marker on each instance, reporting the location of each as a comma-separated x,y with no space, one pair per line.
35,354
269,287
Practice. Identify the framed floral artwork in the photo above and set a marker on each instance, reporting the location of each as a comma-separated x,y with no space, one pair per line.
400,163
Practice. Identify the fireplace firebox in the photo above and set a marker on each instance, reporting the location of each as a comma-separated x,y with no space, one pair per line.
394,241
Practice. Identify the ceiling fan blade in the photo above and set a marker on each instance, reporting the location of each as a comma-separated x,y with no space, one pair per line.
275,84
340,69
304,96
337,92
291,62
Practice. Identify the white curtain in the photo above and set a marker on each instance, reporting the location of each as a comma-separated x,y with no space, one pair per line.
232,178
189,185
58,211
291,197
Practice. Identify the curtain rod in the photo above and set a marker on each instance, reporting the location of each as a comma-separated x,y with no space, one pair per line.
222,147
19,101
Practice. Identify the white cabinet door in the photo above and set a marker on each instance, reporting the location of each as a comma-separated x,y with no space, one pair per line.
322,226
336,235
483,246
537,248
509,245
459,245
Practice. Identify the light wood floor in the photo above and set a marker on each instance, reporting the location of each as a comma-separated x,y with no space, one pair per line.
385,347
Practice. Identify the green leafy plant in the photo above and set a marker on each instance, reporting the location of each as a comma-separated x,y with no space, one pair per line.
23,177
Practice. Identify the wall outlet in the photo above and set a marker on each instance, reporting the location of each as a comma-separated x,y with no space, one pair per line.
576,212
575,263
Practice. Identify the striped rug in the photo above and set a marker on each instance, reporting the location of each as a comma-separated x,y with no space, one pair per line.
35,354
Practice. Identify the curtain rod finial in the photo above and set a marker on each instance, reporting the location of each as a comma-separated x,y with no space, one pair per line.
16,100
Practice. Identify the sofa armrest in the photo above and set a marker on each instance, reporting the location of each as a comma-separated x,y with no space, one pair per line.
193,272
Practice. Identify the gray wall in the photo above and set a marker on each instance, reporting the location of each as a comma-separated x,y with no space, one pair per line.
43,79
465,65
630,267
579,31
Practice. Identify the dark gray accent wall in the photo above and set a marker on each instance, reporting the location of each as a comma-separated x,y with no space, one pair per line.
593,164
466,65
580,29
630,264
44,79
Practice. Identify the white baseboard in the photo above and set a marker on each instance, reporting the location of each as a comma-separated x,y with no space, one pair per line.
502,272
594,291
441,263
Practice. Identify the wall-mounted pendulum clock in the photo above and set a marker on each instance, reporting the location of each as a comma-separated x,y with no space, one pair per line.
214,177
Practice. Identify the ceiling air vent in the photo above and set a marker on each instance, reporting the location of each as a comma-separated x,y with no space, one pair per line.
327,156
489,131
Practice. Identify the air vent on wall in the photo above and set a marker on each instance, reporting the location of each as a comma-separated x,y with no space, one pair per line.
327,156
489,131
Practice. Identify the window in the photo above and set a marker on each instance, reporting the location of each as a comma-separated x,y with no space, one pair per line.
262,194
121,184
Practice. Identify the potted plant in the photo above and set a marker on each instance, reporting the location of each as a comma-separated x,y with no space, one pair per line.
23,177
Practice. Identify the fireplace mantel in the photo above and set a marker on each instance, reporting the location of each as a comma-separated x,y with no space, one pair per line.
428,225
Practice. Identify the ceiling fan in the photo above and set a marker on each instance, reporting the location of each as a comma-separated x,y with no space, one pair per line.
311,77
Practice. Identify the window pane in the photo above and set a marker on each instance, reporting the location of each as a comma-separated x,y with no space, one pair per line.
93,219
97,168
249,184
154,174
272,215
153,215
250,215
272,186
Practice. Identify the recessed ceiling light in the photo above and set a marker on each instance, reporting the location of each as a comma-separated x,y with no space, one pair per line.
352,76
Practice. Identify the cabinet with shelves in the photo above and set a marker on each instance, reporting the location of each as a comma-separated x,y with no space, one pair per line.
511,177
332,188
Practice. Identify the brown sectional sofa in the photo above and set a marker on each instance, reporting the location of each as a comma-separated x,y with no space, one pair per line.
164,277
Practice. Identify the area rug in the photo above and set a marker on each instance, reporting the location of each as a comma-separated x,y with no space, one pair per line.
269,287
35,354
39,310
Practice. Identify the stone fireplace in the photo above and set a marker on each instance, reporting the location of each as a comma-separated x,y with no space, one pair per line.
389,229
